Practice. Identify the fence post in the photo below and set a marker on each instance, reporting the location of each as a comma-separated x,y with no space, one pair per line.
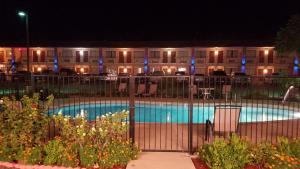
190,123
32,83
131,108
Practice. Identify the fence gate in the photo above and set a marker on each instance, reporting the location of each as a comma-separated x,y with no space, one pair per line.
160,113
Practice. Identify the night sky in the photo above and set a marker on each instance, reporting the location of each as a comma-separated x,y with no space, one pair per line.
144,20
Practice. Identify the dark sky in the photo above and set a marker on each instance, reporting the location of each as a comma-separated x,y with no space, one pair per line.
144,20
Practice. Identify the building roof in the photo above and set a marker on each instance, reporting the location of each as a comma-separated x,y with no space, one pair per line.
141,44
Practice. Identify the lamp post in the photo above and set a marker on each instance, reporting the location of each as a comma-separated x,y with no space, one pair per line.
25,14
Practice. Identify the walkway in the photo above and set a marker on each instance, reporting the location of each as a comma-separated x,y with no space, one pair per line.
162,160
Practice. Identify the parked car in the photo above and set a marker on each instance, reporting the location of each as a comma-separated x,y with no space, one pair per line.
240,78
199,78
273,78
181,79
67,72
22,76
156,76
219,77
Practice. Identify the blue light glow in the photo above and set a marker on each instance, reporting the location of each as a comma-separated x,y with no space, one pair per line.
296,61
55,61
243,69
243,60
193,69
146,69
296,70
13,61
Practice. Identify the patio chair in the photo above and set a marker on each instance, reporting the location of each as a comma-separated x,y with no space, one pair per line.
226,89
141,89
226,120
122,88
152,90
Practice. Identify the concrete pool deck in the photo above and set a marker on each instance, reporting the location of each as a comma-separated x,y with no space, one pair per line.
162,160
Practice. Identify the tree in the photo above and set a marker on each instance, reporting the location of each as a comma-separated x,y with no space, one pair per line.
288,38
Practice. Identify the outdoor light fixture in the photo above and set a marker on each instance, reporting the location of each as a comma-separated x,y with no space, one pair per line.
38,52
265,71
125,70
39,69
124,53
22,13
216,52
266,52
82,70
169,70
81,52
169,52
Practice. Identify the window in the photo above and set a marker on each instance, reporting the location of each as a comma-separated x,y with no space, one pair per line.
220,57
35,56
200,54
165,57
110,54
173,57
85,56
232,53
128,57
121,57
42,56
270,57
24,54
211,57
77,54
261,57
155,54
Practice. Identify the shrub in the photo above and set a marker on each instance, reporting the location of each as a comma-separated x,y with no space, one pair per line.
70,155
54,152
221,154
31,155
88,155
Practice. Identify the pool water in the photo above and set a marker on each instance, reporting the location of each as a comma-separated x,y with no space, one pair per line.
168,113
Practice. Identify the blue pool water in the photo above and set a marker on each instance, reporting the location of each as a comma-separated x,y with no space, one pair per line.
168,113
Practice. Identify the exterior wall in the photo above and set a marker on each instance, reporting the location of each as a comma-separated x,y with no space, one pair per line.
259,60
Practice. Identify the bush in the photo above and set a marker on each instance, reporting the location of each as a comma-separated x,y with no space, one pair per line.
221,154
54,152
88,155
31,155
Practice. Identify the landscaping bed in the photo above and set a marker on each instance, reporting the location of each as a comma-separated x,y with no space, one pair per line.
237,153
78,143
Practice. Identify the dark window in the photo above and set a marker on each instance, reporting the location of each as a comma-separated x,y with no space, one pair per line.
85,56
77,56
35,56
121,57
261,57
211,57
173,57
220,57
165,57
270,57
43,56
128,57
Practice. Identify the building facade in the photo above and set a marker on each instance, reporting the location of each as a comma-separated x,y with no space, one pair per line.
193,60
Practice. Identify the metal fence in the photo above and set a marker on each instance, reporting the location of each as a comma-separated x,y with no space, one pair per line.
175,113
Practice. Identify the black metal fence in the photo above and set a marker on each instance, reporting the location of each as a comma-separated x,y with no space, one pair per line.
175,113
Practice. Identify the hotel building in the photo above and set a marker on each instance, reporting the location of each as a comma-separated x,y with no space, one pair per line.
146,57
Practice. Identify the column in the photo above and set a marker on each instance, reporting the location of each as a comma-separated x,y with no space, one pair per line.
192,70
55,61
243,66
146,61
100,61
13,60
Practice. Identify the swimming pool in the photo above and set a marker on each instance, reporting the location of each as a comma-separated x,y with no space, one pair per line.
173,113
